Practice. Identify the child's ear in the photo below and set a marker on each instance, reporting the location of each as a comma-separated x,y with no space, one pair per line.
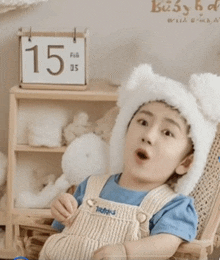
185,165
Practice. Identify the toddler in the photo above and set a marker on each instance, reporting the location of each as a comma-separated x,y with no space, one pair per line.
157,155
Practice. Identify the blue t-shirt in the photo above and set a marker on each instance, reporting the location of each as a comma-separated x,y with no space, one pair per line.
178,217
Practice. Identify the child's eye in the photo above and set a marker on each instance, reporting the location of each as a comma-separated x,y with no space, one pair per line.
168,133
143,122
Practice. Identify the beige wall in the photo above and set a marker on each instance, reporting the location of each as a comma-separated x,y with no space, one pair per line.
123,33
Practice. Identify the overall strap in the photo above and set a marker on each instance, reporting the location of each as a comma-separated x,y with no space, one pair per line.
95,184
156,199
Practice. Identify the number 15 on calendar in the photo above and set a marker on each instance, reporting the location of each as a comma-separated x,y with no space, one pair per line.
49,62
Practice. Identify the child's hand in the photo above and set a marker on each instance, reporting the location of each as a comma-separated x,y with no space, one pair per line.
110,252
64,207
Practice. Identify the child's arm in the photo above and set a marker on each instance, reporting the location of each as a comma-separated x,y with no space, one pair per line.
63,207
161,246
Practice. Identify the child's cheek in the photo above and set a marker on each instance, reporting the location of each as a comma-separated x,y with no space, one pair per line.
170,153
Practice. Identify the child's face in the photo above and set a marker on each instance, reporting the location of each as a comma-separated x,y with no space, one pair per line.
156,146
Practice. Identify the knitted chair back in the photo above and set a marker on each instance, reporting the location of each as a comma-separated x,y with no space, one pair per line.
207,189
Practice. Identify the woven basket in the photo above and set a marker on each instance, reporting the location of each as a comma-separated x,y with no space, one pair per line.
205,191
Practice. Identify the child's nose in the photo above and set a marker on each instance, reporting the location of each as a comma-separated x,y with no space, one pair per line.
150,136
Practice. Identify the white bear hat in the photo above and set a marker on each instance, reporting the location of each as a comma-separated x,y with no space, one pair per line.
199,104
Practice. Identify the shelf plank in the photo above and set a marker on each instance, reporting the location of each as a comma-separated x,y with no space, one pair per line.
32,223
28,148
91,94
35,86
43,213
2,218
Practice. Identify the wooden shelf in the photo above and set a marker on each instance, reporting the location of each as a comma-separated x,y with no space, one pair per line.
27,148
44,213
31,217
2,218
107,93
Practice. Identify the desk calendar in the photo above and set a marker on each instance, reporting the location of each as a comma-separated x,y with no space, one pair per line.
53,60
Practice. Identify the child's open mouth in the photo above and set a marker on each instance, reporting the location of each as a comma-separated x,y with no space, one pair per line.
142,154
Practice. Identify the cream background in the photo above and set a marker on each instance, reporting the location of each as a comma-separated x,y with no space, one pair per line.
123,33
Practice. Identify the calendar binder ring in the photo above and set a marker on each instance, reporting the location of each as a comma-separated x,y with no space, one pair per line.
30,35
74,35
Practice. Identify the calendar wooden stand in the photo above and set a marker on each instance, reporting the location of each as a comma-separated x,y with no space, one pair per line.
104,96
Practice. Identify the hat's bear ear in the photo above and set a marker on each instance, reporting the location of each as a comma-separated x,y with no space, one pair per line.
139,75
206,89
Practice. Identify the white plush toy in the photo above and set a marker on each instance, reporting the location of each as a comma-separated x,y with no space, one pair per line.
45,128
105,124
78,127
85,156
29,183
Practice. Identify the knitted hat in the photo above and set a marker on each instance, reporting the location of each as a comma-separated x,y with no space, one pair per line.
199,104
